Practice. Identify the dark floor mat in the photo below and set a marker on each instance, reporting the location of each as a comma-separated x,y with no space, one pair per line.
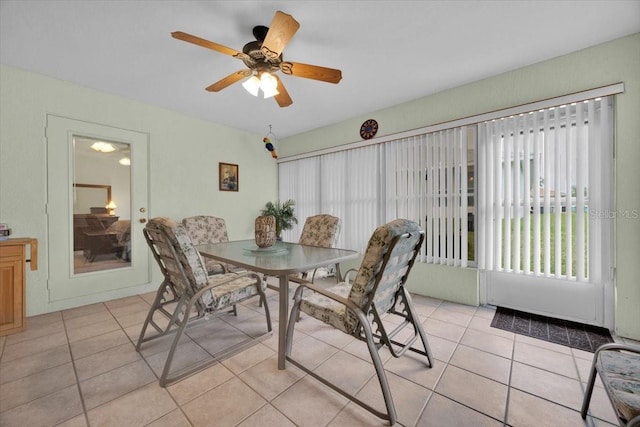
571,334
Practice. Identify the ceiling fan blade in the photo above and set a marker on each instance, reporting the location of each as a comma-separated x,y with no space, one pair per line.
206,43
283,99
282,28
315,72
229,80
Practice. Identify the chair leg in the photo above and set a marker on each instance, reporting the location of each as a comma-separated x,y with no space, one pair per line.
382,377
589,391
416,323
157,305
182,324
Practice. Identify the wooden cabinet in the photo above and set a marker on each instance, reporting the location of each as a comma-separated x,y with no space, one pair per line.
13,282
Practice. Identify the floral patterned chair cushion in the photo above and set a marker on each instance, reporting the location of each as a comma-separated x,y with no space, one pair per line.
203,229
359,292
619,368
192,263
320,230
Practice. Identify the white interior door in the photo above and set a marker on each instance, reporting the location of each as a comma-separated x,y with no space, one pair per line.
545,203
97,250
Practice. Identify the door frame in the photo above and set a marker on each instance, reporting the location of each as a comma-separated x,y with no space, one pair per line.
65,288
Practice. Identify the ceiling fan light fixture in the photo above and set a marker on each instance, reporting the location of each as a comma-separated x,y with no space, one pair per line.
103,147
269,85
252,85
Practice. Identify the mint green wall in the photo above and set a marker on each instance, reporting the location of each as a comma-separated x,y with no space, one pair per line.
612,62
183,164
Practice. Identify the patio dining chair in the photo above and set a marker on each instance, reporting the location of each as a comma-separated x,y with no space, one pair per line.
203,229
188,295
618,366
323,231
358,309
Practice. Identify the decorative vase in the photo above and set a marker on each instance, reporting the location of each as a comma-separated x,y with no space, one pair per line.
265,231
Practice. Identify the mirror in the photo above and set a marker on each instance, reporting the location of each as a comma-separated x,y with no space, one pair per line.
101,205
88,196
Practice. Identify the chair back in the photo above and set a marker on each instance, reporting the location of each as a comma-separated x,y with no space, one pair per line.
203,229
178,258
385,267
320,230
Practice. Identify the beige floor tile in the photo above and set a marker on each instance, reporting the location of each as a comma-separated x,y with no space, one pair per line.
196,385
185,356
483,324
353,415
333,337
121,302
311,352
83,311
441,411
43,319
548,385
248,358
526,410
105,361
37,331
359,349
488,342
174,418
486,312
26,389
482,363
115,383
461,308
79,421
92,345
542,343
409,398
476,392
268,381
472,367
48,410
267,416
88,319
443,329
91,330
451,316
29,365
310,403
414,367
33,346
545,359
229,410
441,348
350,379
138,408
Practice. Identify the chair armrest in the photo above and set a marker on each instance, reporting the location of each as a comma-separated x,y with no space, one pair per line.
617,346
346,274
344,301
231,279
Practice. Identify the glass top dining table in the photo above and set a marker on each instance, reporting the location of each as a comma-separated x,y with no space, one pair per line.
279,260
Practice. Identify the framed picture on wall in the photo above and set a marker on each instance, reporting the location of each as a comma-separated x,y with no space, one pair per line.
228,177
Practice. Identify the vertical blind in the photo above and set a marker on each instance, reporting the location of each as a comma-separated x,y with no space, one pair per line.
540,176
422,178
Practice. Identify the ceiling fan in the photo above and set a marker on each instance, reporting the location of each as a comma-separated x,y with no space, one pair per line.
263,57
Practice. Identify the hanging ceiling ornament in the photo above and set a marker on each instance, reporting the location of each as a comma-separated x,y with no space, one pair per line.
269,145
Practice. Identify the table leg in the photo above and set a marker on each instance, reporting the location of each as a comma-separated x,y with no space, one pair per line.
282,319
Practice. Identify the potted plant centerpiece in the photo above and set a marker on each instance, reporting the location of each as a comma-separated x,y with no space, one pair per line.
284,213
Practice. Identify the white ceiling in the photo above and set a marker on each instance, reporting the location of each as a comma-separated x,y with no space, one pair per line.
389,51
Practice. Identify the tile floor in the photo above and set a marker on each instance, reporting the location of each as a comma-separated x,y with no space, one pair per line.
79,367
